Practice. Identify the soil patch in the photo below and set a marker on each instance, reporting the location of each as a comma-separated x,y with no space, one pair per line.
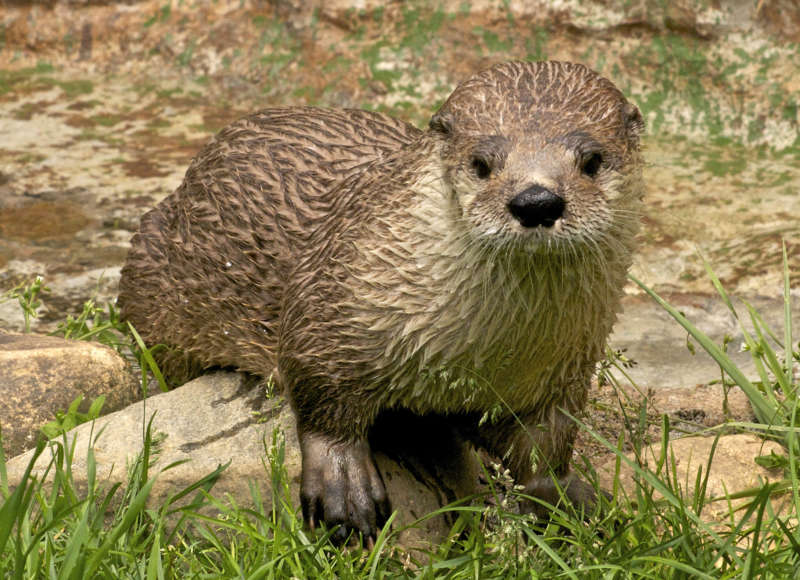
42,220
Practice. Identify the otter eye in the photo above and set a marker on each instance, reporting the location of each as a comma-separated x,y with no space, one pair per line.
481,168
591,164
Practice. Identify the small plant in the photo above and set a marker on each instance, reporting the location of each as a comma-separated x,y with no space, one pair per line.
72,417
74,533
102,325
28,297
773,538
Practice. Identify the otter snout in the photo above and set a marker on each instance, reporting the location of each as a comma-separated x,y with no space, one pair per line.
537,206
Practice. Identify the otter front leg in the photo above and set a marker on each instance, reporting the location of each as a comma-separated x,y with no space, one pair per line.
341,485
538,453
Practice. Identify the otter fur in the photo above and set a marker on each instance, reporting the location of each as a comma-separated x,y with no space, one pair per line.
472,268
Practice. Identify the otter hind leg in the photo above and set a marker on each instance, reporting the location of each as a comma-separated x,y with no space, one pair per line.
580,494
538,453
341,485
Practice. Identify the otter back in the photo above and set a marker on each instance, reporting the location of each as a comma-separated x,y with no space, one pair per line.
207,270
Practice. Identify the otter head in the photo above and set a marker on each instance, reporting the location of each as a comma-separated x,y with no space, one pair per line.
543,152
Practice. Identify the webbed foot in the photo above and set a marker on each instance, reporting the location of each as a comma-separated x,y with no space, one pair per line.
342,486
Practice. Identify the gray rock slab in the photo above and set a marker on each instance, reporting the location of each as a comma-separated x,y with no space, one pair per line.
224,417
657,343
40,375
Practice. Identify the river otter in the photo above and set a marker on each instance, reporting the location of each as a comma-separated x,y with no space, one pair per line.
470,270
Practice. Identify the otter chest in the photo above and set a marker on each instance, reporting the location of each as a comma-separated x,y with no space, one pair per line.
521,352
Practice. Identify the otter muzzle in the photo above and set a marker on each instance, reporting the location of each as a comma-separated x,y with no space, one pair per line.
537,206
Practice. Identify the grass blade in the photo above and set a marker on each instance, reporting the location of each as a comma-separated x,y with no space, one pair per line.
133,510
763,410
788,347
14,506
155,566
148,358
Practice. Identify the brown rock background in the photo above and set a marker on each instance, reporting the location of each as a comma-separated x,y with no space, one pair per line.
42,375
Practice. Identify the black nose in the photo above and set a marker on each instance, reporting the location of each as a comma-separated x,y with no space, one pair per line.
537,206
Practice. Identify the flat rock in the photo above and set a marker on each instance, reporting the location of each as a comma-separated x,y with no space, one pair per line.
223,417
40,375
658,344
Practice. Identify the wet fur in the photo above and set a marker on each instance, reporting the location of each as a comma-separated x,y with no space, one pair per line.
367,265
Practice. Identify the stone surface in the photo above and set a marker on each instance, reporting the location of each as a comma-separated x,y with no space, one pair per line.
222,417
40,375
658,344
732,469
689,409
781,18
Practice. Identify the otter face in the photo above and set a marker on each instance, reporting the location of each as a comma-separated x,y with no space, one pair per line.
541,153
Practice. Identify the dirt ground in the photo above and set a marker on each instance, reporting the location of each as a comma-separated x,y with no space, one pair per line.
103,105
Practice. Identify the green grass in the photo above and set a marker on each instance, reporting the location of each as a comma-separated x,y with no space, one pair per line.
106,120
11,79
73,89
652,530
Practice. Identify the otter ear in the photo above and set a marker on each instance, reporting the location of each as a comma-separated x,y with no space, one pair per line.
441,122
634,123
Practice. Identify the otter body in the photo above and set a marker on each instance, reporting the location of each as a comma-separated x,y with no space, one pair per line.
473,267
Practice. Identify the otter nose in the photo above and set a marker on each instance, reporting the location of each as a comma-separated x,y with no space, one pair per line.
537,206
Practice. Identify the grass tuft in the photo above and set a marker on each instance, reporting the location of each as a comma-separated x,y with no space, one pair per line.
50,526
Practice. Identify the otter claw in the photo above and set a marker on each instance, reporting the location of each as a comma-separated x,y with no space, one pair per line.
341,486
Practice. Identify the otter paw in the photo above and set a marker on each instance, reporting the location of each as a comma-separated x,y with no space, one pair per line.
580,494
342,486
